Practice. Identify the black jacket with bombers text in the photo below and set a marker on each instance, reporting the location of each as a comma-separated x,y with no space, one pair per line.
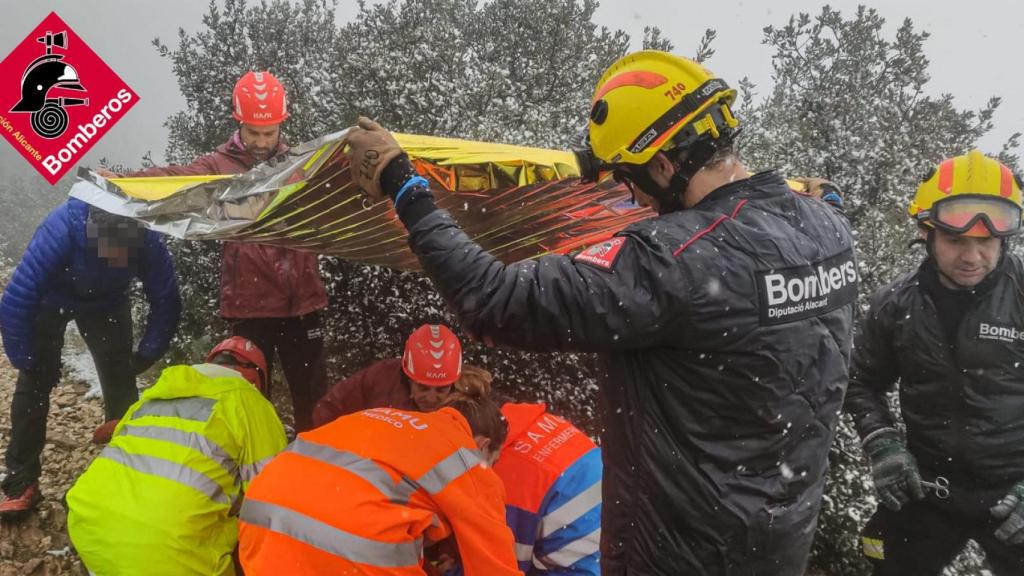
961,387
725,330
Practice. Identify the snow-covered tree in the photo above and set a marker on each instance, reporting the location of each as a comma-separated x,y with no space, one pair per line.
514,71
294,40
852,105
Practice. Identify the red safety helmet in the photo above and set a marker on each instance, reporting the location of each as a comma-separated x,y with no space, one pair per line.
433,356
249,359
259,100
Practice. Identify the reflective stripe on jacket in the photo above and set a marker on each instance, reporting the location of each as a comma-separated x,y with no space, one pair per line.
552,475
160,494
367,492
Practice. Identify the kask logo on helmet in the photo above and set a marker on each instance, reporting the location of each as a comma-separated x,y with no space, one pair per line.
644,140
58,98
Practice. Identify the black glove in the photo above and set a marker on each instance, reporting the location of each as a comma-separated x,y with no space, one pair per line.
1011,507
141,363
893,469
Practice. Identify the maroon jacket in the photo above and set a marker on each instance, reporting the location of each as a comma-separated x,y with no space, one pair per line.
379,385
256,280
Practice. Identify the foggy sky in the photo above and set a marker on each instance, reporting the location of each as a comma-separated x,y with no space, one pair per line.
974,49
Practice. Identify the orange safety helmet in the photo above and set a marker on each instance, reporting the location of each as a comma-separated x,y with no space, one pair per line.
249,359
433,356
259,99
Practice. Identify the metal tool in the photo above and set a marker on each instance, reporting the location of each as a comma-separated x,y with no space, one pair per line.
940,487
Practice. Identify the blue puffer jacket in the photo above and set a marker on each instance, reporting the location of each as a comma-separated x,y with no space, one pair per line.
59,270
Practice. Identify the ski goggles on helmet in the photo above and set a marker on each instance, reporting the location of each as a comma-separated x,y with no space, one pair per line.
967,213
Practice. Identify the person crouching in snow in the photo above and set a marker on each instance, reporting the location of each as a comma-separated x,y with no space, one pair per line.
367,492
420,380
162,498
552,476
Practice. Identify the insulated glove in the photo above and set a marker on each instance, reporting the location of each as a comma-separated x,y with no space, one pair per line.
822,189
893,469
141,363
370,148
1011,508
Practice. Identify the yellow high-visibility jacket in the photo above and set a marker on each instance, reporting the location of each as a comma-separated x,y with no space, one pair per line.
158,499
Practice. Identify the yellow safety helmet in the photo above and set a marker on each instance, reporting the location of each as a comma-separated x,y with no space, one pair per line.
971,195
646,100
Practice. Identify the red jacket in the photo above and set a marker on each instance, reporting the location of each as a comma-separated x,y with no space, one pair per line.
379,385
256,280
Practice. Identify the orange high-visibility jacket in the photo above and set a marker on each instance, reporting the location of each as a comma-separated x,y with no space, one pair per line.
365,493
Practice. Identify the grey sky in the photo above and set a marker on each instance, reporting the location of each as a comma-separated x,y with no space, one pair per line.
974,51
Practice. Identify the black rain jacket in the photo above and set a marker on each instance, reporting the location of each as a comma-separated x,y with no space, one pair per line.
962,400
725,330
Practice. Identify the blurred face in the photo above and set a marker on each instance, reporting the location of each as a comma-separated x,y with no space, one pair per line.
115,256
260,141
963,259
428,398
115,244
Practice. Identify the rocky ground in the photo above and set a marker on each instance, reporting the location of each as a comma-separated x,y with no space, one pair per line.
39,545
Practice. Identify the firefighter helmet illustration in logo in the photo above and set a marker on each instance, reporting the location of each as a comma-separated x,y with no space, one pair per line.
49,119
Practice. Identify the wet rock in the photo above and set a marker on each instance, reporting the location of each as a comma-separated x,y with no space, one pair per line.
61,440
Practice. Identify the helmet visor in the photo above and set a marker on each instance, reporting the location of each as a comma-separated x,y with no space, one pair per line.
962,213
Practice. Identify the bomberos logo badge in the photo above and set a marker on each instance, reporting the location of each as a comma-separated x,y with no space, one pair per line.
58,98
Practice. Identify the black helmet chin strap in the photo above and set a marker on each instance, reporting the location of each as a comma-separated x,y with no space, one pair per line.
687,162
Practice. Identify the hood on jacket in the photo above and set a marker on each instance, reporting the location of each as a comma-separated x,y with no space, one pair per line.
520,417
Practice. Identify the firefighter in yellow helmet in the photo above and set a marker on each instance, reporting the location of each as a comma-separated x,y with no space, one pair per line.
724,323
654,110
951,333
163,497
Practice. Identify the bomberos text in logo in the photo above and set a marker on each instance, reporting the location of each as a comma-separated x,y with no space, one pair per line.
804,291
58,98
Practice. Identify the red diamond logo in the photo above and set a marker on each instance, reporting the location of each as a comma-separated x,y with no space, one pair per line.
58,98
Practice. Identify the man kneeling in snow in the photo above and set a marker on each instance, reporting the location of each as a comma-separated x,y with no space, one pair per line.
164,495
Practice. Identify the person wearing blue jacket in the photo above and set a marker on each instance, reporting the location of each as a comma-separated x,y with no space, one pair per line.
552,475
79,266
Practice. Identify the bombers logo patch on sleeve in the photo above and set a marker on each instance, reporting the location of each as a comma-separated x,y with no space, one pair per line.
801,292
602,255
